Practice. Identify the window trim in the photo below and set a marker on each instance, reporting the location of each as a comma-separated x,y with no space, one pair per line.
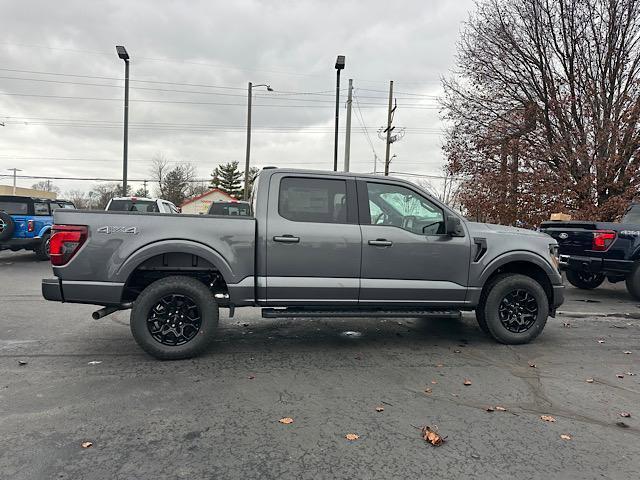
364,214
47,204
350,189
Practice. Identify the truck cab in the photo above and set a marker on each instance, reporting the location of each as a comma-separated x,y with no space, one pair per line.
25,223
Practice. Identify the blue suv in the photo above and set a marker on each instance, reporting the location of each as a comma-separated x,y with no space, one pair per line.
25,223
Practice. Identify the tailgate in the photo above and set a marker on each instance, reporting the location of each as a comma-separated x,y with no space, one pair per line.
574,238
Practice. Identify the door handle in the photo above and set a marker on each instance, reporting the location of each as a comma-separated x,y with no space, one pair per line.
380,242
286,239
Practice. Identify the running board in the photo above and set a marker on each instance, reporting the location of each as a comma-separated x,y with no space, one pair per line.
356,312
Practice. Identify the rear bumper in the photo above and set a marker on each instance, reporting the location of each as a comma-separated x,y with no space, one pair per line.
95,293
20,243
595,265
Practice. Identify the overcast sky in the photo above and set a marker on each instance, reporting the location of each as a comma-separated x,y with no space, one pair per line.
189,59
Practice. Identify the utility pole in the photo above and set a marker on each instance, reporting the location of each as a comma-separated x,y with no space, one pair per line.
144,182
15,171
388,130
339,66
245,193
347,140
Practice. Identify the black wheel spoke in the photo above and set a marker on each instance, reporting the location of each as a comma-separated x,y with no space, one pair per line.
518,311
174,320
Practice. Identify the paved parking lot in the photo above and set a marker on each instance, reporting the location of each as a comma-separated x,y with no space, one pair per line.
217,416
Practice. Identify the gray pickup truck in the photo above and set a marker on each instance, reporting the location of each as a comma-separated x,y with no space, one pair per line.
318,245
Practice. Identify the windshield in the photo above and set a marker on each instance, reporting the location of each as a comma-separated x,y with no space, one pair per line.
146,206
14,208
632,215
232,209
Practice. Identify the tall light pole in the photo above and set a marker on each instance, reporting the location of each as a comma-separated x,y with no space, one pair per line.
122,53
15,171
339,67
245,194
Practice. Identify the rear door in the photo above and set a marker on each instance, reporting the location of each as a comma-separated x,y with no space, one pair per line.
313,240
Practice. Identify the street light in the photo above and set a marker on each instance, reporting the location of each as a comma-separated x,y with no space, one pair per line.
122,53
245,194
339,67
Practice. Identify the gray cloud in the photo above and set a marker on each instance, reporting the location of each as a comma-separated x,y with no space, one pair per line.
288,44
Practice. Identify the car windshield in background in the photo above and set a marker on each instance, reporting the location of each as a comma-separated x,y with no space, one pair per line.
133,206
632,215
14,208
231,209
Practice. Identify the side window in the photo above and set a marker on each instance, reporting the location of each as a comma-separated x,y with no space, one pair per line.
316,200
41,208
401,207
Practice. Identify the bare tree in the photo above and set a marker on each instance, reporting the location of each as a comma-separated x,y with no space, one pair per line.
46,186
544,108
79,198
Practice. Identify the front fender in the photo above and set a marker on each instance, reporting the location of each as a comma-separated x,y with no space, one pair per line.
171,246
519,256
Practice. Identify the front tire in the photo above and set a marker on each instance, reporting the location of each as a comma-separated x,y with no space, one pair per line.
174,318
515,309
585,280
42,250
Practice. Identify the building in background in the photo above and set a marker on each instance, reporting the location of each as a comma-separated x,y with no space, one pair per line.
26,192
201,203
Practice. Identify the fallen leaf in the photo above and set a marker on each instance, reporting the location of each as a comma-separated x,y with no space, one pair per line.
631,374
490,409
87,444
455,395
457,351
625,414
600,341
427,390
467,382
589,380
251,377
432,436
500,409
627,352
547,418
352,436
620,375
565,436
286,420
433,382
22,363
532,365
94,362
566,325
380,409
439,365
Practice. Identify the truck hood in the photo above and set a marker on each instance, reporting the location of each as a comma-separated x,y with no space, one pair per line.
480,229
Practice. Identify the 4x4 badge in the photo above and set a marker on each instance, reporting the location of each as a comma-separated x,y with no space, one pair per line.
109,229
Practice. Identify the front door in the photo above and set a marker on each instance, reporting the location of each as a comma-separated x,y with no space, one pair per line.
313,241
406,256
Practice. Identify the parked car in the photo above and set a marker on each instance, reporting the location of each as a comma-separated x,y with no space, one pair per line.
25,223
235,208
319,245
593,251
137,204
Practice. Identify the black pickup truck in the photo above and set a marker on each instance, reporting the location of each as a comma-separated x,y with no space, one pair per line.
593,251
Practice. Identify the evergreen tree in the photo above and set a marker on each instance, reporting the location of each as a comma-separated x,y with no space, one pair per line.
228,178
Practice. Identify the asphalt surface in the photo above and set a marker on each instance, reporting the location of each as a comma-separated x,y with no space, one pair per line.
217,416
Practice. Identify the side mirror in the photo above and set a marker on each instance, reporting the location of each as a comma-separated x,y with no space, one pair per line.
453,226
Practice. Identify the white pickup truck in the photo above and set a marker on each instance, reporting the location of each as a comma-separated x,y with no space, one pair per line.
138,204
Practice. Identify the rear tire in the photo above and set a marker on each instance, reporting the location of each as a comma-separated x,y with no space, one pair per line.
584,280
515,309
42,250
633,281
159,312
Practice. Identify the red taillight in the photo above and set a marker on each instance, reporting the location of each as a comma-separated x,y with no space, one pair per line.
65,241
31,226
602,240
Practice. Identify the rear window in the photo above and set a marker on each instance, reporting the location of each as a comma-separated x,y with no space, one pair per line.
133,206
231,209
15,208
57,205
316,200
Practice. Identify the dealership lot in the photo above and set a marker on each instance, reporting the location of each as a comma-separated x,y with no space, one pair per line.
217,416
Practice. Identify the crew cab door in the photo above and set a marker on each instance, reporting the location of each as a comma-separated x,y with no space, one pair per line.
313,240
406,256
